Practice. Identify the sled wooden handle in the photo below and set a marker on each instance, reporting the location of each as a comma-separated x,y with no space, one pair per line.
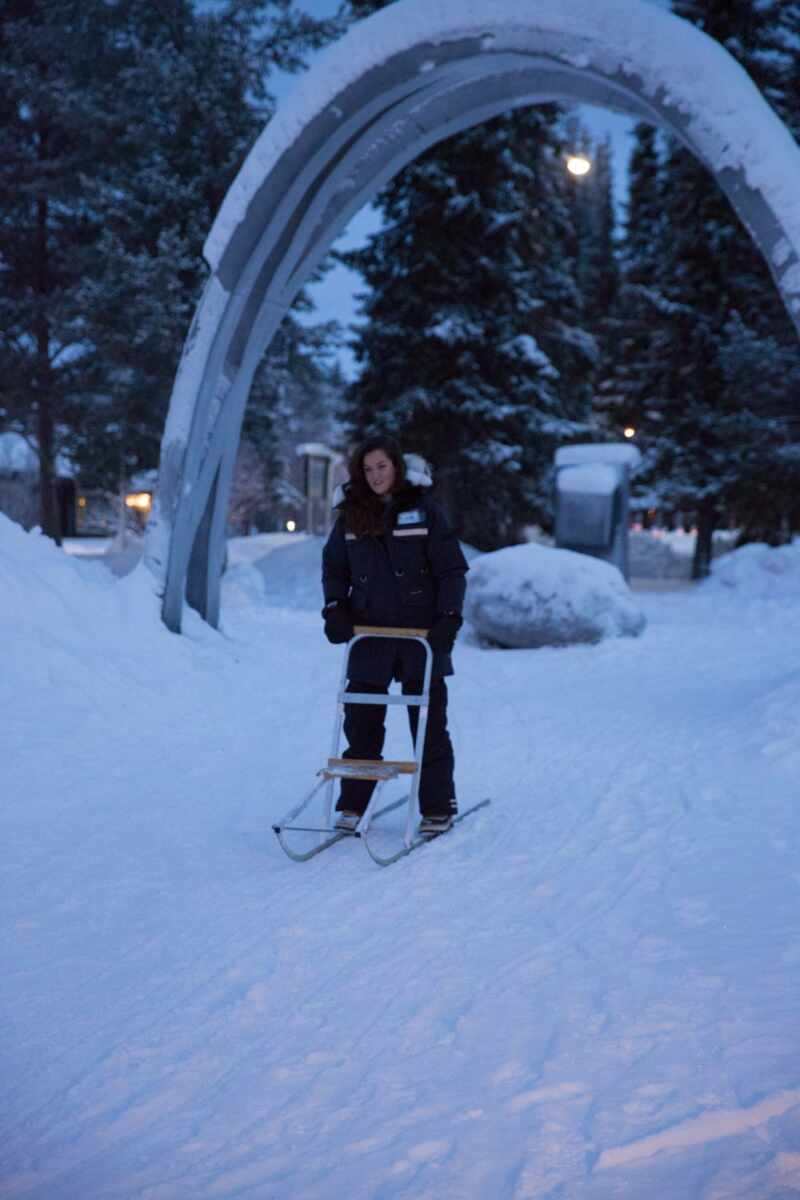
401,767
390,631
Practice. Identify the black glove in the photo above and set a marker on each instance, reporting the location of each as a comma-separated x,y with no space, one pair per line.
338,621
442,633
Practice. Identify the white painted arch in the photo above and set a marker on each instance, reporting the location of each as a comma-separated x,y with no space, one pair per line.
397,83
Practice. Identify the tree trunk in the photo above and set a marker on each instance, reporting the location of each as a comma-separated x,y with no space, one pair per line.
49,515
706,524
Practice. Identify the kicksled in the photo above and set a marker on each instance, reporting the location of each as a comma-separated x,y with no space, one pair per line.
378,770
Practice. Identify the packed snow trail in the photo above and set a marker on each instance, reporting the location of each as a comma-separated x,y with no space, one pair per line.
589,990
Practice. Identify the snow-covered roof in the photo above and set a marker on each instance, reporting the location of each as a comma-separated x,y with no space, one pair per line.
317,449
621,453
592,479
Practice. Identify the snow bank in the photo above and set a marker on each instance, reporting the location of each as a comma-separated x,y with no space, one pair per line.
79,639
529,596
46,594
292,574
758,572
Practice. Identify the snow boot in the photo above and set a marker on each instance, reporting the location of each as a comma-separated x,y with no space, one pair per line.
346,821
432,826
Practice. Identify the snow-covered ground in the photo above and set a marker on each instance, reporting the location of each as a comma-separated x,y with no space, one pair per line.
590,990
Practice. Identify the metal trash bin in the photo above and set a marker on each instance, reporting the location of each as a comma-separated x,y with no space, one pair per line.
592,499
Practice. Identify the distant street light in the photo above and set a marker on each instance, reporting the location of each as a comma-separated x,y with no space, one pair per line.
578,164
629,431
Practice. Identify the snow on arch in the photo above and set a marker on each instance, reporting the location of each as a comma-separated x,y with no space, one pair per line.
395,84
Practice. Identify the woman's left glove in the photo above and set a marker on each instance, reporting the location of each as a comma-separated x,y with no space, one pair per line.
442,633
338,622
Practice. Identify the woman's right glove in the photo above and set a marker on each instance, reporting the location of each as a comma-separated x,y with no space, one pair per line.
338,621
442,633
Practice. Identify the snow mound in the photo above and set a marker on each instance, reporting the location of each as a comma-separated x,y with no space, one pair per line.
293,575
78,632
242,586
530,596
758,571
654,558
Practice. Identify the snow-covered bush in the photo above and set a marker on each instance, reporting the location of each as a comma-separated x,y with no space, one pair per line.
529,596
758,571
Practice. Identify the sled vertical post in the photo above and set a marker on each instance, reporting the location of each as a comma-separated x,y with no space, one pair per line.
421,700
336,738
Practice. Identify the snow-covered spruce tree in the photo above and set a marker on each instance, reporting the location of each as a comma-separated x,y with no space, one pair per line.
471,350
624,391
777,61
55,125
131,119
203,79
767,506
597,267
702,437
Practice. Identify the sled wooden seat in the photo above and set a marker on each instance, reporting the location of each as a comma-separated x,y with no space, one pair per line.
389,631
367,768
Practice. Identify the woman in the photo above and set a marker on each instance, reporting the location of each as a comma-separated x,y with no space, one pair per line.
392,559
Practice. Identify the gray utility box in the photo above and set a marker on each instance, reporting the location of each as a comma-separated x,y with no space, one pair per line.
592,499
319,463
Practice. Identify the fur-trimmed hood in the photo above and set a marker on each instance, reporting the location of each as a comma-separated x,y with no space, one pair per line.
418,475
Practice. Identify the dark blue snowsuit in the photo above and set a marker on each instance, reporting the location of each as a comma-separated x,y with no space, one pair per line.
406,577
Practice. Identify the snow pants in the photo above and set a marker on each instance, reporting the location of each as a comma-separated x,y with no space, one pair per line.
365,730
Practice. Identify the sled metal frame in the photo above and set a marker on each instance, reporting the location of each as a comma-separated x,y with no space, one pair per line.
378,770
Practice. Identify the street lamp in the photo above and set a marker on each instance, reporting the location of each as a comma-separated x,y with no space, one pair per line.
578,164
629,431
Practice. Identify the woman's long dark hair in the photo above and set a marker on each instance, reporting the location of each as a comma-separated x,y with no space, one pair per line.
363,508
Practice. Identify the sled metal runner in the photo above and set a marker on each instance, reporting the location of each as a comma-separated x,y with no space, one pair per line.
329,836
380,771
419,840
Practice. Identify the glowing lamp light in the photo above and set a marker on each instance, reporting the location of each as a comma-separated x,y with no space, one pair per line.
578,164
629,431
140,501
291,526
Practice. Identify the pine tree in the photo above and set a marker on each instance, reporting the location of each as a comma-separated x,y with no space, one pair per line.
712,292
126,122
626,397
471,351
767,504
54,126
597,266
597,274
